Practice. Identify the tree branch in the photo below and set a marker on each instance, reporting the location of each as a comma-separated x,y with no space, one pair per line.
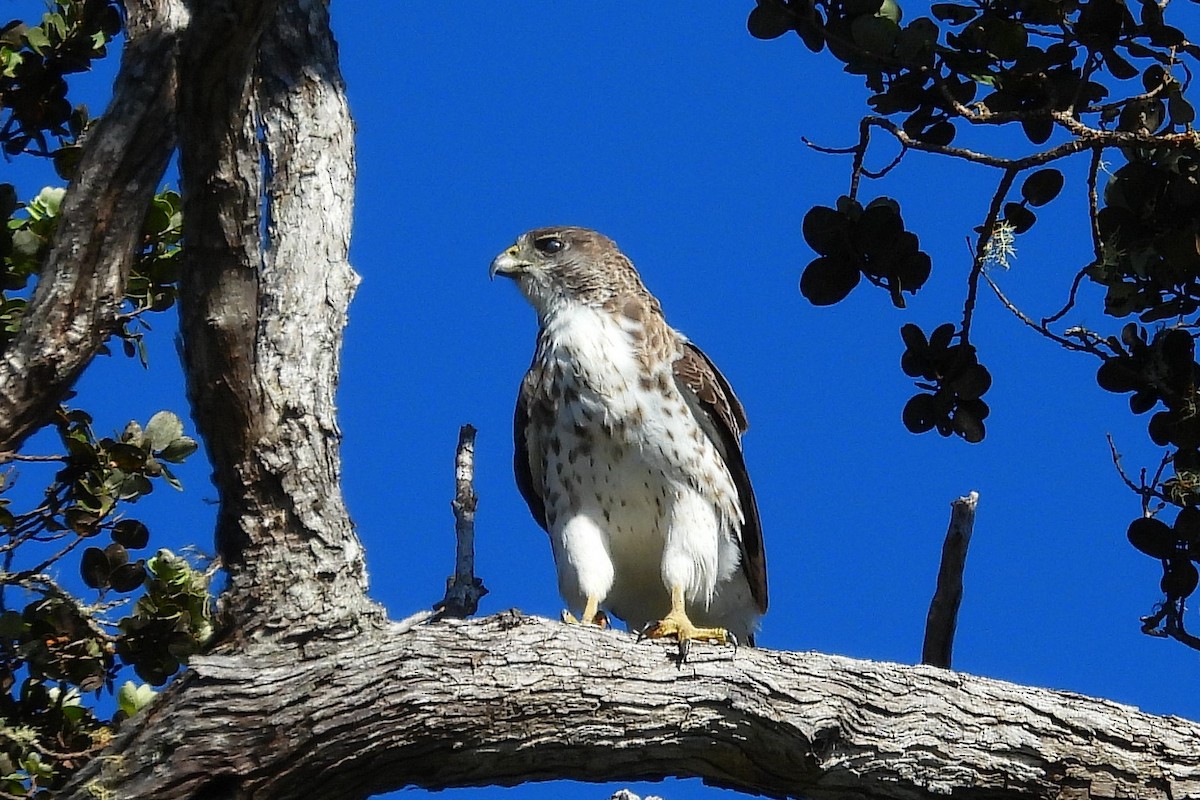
508,699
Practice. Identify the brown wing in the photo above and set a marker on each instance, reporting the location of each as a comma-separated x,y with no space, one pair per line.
724,420
529,486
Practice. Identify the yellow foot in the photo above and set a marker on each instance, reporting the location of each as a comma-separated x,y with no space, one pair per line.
676,625
599,619
592,615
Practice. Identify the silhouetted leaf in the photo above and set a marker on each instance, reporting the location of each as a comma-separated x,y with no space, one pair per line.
920,413
128,577
1037,129
826,230
941,337
1180,579
1042,186
828,280
94,568
953,13
1118,375
1019,217
1187,525
131,533
1152,537
968,424
1119,67
768,20
973,382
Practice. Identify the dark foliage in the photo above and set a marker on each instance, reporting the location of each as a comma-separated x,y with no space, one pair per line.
1102,78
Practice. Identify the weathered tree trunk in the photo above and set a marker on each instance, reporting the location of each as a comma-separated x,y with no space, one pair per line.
268,176
312,694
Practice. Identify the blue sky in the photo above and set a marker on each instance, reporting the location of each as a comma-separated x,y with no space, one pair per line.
673,131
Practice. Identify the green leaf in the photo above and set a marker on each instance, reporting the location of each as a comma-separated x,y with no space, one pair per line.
875,34
132,698
179,450
163,429
36,39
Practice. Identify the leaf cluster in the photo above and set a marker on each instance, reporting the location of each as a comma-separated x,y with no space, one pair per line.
854,242
35,60
1149,230
1052,79
25,242
953,383
56,647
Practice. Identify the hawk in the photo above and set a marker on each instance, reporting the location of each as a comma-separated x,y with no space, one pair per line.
628,451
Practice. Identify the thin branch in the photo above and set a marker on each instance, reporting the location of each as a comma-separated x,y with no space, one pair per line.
1067,306
1146,490
989,227
10,455
1086,139
943,609
1094,168
463,589
860,155
1042,329
1097,248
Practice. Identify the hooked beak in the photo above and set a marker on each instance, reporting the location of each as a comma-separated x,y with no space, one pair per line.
507,263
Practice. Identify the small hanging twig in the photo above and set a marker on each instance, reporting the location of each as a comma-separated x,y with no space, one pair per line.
943,610
463,589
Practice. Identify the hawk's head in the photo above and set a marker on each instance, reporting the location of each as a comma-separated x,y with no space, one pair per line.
555,267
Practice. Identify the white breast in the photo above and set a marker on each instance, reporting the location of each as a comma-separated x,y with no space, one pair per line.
634,508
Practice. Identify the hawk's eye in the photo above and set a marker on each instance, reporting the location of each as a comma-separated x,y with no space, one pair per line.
548,245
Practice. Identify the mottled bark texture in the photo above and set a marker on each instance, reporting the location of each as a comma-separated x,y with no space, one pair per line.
82,284
268,174
310,692
509,699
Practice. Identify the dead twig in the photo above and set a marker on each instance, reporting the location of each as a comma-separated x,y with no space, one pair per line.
943,609
463,589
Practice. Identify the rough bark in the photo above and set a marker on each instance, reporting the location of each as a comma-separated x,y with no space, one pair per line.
268,165
510,699
81,286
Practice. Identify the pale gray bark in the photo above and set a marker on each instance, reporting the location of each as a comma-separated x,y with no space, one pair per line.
80,288
509,699
268,164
